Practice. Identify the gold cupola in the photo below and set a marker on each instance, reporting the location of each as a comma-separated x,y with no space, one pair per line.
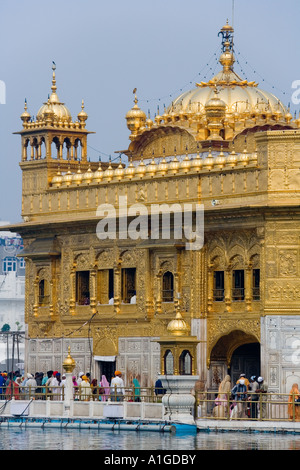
58,110
25,116
136,118
215,110
82,116
177,326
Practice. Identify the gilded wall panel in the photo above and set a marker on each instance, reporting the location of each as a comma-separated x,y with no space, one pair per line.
282,291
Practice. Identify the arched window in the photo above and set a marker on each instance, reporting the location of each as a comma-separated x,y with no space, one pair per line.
169,362
168,287
43,293
185,363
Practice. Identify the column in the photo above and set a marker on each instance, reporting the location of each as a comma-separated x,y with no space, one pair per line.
228,288
248,287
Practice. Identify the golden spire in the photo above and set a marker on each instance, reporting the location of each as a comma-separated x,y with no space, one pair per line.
82,116
25,116
227,76
53,97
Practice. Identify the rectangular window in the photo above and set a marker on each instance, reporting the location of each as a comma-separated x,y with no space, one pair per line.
128,284
218,286
44,296
168,287
105,286
9,264
256,284
238,286
83,287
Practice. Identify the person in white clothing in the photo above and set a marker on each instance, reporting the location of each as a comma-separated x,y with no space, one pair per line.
117,389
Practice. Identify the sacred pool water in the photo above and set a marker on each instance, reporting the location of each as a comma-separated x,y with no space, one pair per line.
85,439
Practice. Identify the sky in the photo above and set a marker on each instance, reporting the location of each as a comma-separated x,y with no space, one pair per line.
105,49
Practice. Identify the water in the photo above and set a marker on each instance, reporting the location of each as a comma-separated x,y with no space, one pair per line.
86,439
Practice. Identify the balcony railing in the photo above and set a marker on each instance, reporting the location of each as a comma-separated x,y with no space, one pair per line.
238,293
43,392
218,295
254,406
256,293
208,405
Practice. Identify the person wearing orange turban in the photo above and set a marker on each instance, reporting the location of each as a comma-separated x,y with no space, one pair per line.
294,406
117,389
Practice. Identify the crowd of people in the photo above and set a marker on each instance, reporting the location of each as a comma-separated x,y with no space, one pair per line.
51,385
248,399
243,400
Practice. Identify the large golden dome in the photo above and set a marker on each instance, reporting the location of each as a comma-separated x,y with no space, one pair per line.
238,100
240,96
214,113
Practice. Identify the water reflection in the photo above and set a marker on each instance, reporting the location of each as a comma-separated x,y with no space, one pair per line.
73,439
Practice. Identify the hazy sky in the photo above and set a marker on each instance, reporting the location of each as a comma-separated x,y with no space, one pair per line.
104,49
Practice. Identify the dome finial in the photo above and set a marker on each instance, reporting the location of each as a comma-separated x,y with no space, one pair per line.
82,116
25,116
53,88
227,57
135,97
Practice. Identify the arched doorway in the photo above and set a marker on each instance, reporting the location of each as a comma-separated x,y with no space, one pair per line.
245,360
234,354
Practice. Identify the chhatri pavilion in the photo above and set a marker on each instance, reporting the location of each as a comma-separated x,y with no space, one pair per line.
226,145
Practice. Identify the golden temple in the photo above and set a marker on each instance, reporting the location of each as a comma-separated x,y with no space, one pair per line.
227,145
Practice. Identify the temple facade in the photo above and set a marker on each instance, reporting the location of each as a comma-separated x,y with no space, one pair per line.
225,146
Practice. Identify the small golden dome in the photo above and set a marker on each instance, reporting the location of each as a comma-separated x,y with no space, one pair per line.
135,117
69,363
232,159
59,111
25,116
57,179
82,116
174,166
77,178
119,172
141,169
98,174
67,178
165,116
197,163
87,177
227,27
158,117
149,123
227,60
209,161
109,172
178,326
130,170
151,169
163,167
215,104
288,116
220,160
185,164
